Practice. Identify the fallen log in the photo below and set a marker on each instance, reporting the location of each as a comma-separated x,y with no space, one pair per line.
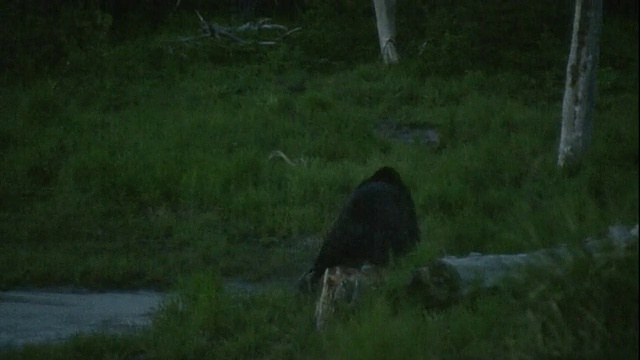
450,279
445,281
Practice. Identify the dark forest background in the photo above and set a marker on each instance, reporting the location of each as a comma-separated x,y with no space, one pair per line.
38,37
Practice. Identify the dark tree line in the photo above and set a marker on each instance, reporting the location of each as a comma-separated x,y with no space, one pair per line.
150,14
37,36
155,10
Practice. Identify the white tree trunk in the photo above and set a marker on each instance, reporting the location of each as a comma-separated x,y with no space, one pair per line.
386,22
577,106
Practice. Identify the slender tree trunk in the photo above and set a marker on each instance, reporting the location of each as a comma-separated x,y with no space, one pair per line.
386,22
579,94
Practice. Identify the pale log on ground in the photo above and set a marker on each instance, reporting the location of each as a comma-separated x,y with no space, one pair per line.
450,279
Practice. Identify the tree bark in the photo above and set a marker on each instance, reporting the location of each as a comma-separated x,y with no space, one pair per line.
386,23
579,94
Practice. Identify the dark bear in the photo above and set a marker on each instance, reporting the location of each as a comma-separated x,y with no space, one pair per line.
378,221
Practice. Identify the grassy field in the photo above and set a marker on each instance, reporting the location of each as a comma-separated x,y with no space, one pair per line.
145,164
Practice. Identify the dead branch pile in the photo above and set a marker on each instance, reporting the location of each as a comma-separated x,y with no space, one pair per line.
250,33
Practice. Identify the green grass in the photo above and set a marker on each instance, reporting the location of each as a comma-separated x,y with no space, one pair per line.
150,168
548,316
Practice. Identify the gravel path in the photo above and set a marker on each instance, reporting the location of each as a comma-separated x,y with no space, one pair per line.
43,315
35,316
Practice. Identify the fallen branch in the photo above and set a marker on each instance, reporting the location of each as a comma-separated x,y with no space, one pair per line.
279,154
212,28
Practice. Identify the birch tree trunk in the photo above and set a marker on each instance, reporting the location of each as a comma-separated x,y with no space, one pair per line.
579,93
386,23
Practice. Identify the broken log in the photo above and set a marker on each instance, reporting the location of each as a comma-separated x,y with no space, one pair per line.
445,281
343,286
